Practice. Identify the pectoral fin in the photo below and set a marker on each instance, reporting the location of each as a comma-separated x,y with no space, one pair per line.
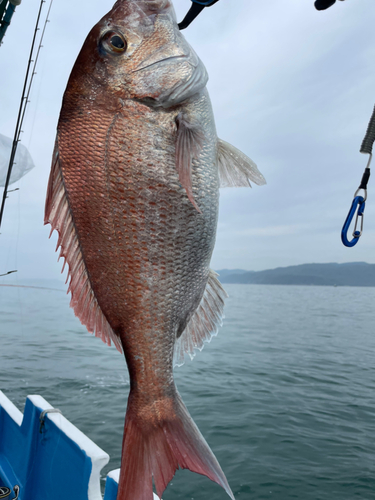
235,168
189,142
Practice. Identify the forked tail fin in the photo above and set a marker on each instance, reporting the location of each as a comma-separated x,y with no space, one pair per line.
157,441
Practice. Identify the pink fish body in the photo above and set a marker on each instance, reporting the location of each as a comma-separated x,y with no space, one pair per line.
133,194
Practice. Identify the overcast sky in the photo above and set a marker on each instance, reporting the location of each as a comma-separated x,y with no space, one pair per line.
292,87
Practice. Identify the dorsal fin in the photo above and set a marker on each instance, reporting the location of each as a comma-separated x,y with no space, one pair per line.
235,168
205,322
83,301
189,142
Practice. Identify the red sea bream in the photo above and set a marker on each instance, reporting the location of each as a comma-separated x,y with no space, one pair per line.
134,194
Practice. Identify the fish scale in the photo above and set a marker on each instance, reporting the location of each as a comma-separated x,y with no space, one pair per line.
133,194
128,228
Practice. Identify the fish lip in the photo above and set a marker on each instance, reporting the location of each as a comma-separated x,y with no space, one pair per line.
159,62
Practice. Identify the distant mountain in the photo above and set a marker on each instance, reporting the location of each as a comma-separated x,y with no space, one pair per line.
349,274
227,272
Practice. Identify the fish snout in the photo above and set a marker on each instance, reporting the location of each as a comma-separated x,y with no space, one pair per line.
174,46
164,69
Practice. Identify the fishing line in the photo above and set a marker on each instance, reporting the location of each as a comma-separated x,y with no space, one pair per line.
36,59
23,104
6,274
21,115
25,98
18,223
30,286
37,100
18,130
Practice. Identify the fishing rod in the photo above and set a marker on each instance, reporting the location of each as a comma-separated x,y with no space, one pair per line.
7,9
24,99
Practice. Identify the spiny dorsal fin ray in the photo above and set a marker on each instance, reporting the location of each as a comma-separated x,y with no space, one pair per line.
83,301
235,168
189,142
204,323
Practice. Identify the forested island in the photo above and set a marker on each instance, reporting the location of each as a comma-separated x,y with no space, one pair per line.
332,274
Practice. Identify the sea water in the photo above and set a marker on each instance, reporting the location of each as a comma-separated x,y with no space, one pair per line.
284,395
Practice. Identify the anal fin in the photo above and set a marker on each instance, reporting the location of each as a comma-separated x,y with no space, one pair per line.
205,322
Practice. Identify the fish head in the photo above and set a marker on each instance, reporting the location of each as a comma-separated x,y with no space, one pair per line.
136,51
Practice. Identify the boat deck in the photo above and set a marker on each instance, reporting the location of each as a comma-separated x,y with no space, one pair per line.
48,457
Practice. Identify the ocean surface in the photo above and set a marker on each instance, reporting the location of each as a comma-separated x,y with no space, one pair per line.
284,395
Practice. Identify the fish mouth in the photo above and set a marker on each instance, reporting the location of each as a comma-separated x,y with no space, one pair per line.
161,61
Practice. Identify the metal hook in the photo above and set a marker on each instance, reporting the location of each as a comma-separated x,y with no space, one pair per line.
358,202
43,414
365,179
5,492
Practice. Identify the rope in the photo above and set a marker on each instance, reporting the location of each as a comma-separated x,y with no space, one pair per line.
369,139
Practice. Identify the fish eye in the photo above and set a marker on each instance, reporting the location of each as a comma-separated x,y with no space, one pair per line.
114,42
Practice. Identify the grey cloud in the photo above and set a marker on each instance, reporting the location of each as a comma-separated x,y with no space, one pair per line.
291,87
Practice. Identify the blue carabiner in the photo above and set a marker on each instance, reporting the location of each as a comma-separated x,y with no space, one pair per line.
358,202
